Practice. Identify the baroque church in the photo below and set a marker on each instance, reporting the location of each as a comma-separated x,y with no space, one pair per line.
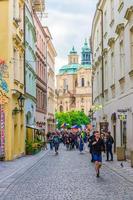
74,90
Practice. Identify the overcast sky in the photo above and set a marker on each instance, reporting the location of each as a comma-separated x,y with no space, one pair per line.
70,23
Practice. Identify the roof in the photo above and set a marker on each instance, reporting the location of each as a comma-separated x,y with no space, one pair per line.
72,68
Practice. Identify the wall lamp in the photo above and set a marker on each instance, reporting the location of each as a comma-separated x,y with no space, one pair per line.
21,100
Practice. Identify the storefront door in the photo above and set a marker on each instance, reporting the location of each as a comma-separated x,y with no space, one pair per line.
123,127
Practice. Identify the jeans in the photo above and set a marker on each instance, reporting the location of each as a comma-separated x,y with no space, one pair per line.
109,152
56,145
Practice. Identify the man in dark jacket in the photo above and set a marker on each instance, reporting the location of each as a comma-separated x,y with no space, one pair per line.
91,139
109,143
97,148
56,142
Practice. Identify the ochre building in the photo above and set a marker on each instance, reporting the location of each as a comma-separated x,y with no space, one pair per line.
74,82
12,131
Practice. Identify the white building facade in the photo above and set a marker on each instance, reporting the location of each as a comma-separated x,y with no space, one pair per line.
51,55
112,47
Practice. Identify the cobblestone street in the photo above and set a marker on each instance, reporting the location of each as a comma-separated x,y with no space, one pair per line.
68,176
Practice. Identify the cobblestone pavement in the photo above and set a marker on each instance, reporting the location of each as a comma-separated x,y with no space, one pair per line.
68,176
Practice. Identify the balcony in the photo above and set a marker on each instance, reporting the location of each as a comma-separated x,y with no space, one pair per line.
39,5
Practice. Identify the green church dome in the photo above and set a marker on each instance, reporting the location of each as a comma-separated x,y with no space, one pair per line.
69,69
73,67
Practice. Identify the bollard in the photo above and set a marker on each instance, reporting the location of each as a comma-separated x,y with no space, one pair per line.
121,156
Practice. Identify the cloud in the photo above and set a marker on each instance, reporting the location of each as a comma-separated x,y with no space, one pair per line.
70,23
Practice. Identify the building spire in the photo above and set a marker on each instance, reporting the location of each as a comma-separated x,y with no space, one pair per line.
86,54
73,51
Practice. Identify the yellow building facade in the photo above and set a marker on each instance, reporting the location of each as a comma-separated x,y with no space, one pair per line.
74,83
12,53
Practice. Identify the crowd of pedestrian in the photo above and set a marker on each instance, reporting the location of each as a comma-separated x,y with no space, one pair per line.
84,140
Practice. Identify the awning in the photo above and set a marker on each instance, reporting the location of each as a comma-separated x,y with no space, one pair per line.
35,127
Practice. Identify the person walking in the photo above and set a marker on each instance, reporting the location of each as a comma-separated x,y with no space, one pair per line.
91,139
51,142
97,148
56,142
109,143
81,143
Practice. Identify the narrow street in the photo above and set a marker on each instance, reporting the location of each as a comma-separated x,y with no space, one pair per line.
68,176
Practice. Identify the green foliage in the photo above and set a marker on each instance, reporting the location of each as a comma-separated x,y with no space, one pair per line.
71,118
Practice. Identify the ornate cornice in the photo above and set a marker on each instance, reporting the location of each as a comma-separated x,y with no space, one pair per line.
129,12
122,80
111,41
119,28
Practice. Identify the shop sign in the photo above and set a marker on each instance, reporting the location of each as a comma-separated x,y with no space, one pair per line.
122,117
122,110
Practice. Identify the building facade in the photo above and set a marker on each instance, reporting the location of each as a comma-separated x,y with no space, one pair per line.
74,82
112,47
30,68
51,54
12,131
41,69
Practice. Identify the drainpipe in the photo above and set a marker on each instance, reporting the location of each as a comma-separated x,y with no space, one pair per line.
101,11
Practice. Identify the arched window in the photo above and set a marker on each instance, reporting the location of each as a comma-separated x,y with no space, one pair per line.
61,108
82,82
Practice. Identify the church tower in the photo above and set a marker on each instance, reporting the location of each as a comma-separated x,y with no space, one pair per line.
73,57
86,54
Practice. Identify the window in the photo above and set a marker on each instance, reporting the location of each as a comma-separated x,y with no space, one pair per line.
15,63
113,67
61,108
14,8
21,68
105,22
82,82
131,43
106,74
122,62
112,10
76,83
65,85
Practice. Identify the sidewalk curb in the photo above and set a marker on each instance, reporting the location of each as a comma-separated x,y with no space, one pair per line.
116,171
